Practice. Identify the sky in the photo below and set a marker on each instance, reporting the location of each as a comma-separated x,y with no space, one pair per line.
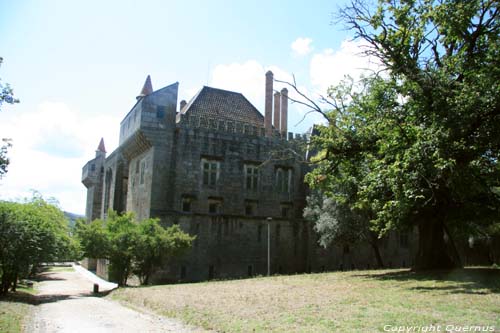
77,66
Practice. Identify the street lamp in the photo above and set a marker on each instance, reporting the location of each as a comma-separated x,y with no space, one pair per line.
269,219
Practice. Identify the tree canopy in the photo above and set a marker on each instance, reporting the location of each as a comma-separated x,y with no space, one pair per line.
130,246
418,143
31,232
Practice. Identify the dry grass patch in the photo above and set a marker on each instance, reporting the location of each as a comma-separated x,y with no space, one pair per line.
340,301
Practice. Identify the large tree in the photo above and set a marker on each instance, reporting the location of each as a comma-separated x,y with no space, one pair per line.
32,232
6,96
426,130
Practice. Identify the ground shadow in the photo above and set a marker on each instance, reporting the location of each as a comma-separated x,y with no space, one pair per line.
27,298
46,275
466,281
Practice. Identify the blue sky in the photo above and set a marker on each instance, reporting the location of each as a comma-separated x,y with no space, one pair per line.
77,66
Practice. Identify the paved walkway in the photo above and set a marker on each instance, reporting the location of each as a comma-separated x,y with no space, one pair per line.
68,305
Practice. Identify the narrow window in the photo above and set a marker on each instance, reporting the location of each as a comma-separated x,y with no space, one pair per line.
250,208
210,171
251,177
214,206
259,233
286,209
186,204
283,179
143,170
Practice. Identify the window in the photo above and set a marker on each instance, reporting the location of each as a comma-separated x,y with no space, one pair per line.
250,208
186,204
259,233
283,179
286,209
160,113
210,170
92,167
214,206
143,170
137,166
251,177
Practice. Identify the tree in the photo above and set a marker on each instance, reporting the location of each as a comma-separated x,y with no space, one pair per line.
30,233
336,222
156,245
426,131
130,246
6,92
6,96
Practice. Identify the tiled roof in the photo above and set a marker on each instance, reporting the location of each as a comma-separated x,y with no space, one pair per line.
225,105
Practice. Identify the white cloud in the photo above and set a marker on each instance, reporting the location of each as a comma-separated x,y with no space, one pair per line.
302,46
50,147
249,79
330,67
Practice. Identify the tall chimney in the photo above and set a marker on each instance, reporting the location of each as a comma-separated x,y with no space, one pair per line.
284,112
277,97
182,105
269,104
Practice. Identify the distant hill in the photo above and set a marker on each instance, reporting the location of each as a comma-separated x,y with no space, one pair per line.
72,218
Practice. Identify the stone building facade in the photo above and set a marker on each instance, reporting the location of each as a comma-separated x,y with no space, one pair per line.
224,173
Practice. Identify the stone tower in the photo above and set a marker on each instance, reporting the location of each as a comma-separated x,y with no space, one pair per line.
92,178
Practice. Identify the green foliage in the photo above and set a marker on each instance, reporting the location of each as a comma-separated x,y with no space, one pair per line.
31,233
156,245
6,96
131,247
419,145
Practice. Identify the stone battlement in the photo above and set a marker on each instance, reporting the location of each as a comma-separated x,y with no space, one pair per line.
187,121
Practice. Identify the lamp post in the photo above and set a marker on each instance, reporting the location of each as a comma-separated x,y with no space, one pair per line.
269,219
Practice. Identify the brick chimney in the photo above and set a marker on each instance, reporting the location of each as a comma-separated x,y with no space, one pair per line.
284,112
269,104
277,97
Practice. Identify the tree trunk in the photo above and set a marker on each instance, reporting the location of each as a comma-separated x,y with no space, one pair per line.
376,250
432,252
14,282
378,257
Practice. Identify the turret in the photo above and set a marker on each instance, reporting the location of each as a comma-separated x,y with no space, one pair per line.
92,178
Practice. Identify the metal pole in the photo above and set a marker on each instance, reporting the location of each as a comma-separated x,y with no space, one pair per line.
269,246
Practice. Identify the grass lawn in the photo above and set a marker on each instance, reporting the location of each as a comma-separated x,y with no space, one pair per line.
340,301
14,309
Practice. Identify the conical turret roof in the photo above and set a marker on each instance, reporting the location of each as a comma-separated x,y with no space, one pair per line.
147,88
101,147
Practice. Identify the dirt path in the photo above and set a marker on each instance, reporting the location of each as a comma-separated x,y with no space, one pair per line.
68,305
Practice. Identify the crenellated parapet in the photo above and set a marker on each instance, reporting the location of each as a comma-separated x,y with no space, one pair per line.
187,121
